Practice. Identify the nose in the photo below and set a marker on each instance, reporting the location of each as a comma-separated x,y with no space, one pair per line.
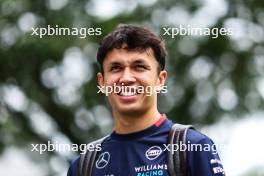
127,78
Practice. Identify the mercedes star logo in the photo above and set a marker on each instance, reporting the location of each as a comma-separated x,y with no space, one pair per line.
102,160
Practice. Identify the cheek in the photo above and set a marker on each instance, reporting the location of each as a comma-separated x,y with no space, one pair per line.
149,79
111,79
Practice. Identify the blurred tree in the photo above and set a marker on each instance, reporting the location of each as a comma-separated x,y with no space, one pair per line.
209,78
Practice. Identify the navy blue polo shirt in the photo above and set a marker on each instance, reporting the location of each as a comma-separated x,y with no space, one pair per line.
143,153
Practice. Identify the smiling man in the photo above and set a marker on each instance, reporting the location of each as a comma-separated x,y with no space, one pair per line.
132,58
131,69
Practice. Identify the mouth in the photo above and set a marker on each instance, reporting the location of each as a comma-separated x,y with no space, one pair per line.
128,91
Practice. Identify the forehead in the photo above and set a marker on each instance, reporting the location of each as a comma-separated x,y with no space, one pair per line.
129,56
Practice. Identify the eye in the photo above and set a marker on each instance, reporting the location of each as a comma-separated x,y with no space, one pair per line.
140,67
115,68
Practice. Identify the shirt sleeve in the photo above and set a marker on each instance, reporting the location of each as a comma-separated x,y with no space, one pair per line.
202,156
72,171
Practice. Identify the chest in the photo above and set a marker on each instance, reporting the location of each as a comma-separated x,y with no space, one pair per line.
131,159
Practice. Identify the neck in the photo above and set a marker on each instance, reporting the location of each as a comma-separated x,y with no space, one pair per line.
129,123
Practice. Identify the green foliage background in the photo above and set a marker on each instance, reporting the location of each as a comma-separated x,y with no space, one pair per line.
236,65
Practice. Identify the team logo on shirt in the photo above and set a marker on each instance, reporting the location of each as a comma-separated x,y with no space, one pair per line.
153,152
102,160
217,166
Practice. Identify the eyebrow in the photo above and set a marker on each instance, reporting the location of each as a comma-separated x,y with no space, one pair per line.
114,63
141,61
137,61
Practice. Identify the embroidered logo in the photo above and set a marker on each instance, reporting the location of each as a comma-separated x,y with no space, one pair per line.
102,160
153,152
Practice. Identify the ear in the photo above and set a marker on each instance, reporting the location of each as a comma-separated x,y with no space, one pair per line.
100,80
162,78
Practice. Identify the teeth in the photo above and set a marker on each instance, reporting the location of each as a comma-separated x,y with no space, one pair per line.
127,93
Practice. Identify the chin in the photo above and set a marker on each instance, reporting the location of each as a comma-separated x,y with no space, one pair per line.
130,109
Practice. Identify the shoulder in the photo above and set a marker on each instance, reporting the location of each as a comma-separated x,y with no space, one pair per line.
73,167
196,137
93,146
202,155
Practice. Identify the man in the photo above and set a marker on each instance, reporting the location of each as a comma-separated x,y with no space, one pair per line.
133,58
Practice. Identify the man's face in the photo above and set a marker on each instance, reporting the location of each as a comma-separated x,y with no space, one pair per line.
132,70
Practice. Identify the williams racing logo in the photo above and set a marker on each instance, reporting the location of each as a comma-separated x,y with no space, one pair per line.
153,152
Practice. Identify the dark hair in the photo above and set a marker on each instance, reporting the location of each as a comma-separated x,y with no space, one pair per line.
131,37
